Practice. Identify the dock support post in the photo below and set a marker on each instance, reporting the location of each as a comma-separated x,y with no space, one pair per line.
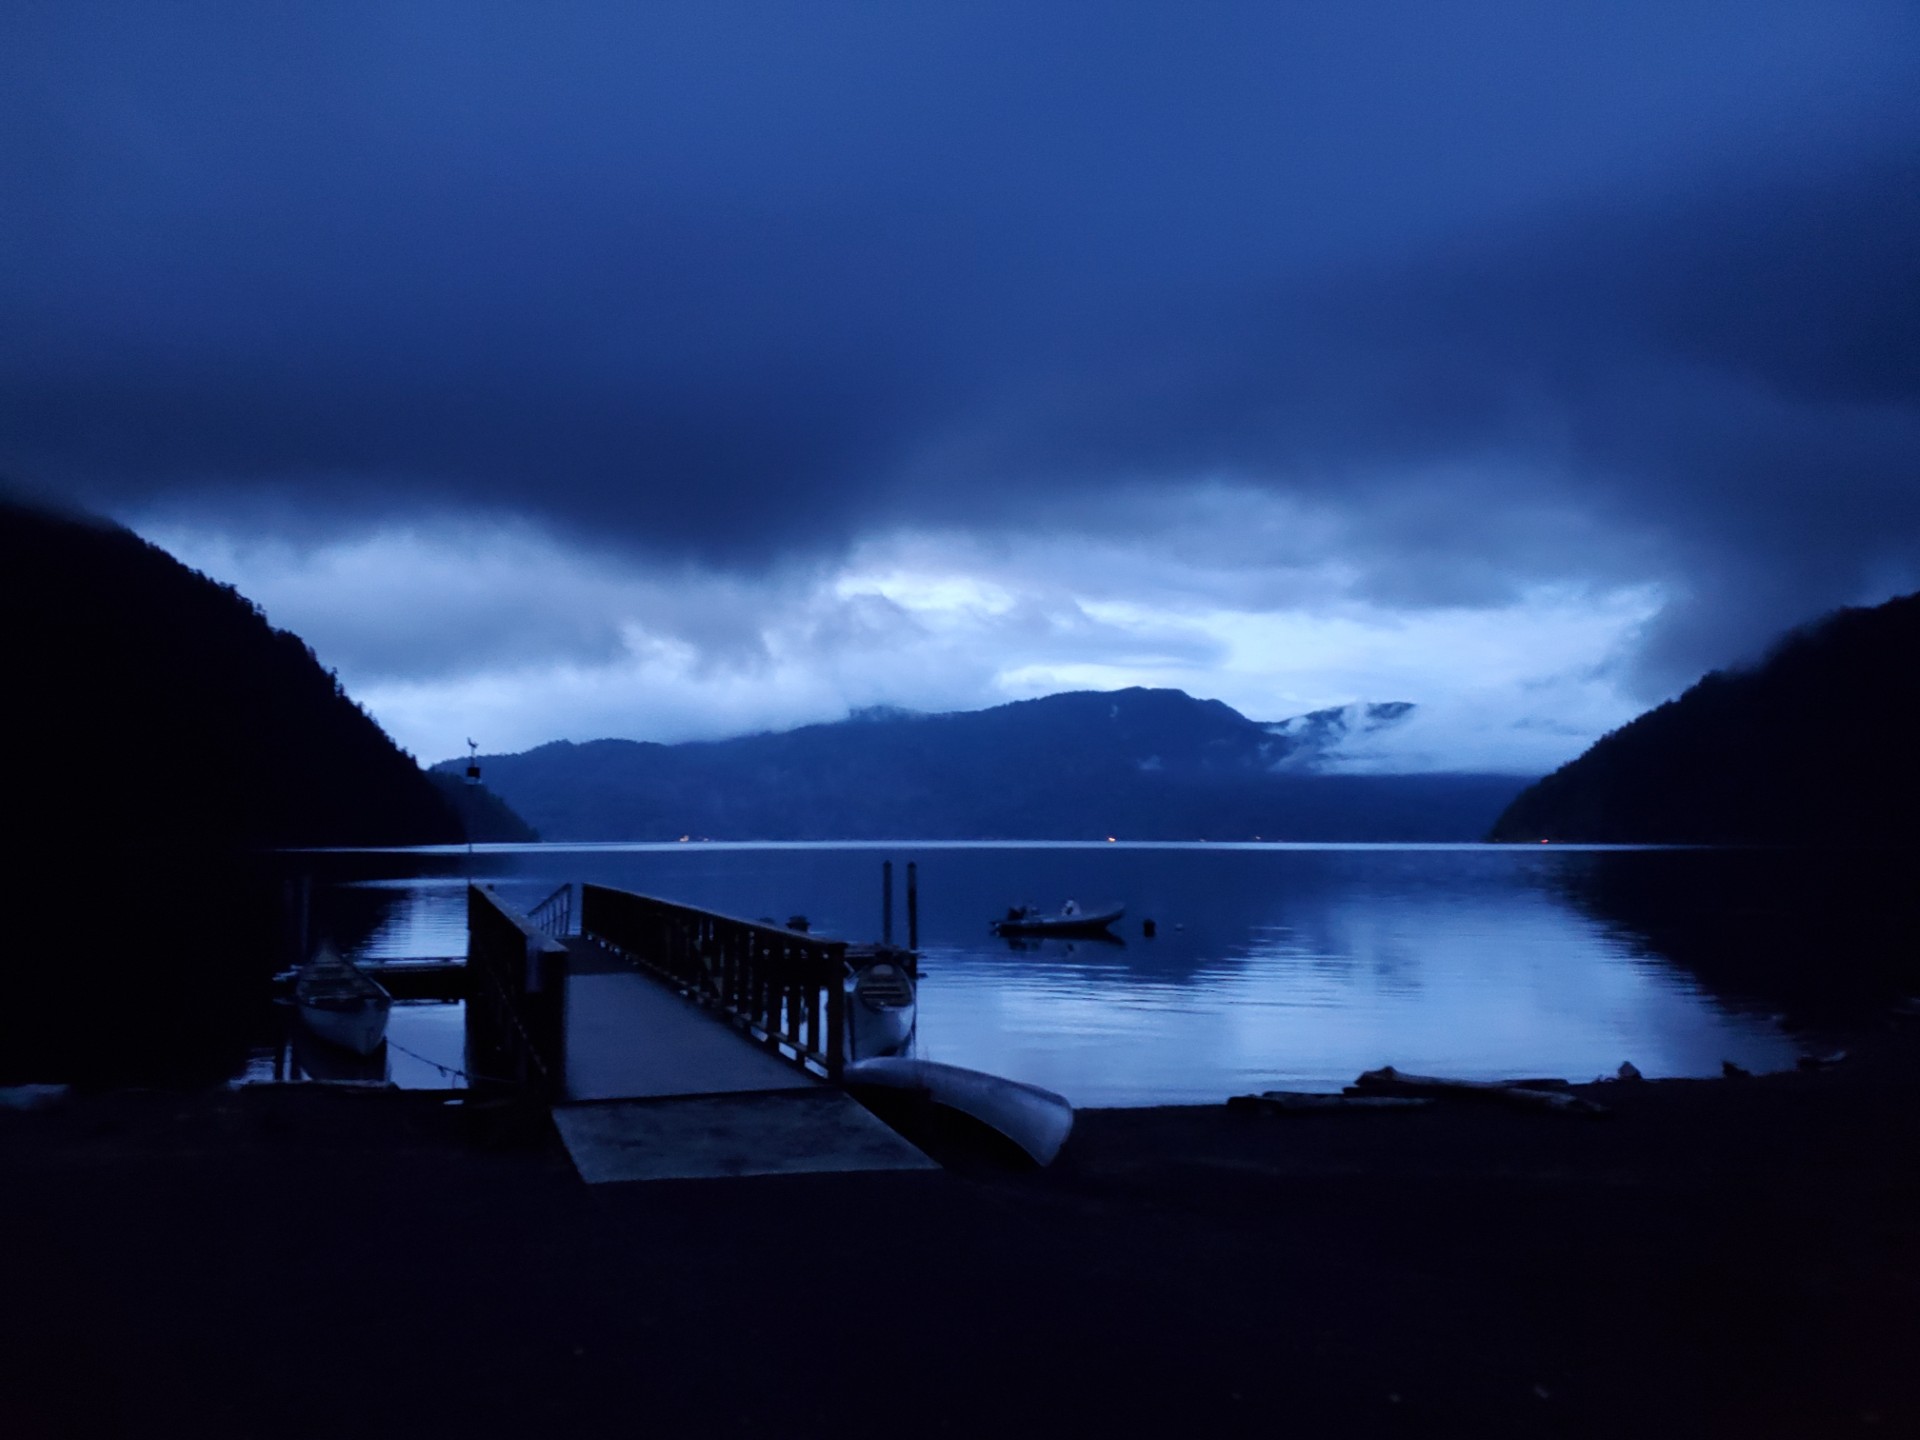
304,938
886,902
913,905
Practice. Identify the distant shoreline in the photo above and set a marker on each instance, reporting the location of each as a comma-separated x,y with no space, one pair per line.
511,847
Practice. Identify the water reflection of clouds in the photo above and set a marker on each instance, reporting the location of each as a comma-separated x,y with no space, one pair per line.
1514,984
419,923
1294,969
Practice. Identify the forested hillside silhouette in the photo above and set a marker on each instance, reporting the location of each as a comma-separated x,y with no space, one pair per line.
1813,746
160,704
160,739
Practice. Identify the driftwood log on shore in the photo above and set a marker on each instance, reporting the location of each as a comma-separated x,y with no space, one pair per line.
1530,1094
1297,1102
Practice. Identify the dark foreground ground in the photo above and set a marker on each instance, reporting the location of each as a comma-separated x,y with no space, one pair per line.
1711,1258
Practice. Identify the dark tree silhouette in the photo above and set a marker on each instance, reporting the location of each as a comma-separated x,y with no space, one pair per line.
161,739
1813,746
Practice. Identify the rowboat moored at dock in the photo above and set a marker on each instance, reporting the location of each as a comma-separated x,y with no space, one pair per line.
340,1003
881,1008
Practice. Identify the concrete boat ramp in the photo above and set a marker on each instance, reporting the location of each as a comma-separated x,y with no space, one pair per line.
659,1087
706,1137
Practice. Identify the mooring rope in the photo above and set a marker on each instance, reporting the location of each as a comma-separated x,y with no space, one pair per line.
467,1076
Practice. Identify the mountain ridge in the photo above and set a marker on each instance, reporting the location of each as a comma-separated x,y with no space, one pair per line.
1144,763
1316,728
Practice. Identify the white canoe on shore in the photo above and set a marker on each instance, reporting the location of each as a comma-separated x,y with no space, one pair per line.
1036,1120
340,1003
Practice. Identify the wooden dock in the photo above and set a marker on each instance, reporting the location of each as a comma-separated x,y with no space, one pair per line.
631,1037
672,1043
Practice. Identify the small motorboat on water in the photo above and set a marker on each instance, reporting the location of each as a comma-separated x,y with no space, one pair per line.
1069,919
881,1009
340,1003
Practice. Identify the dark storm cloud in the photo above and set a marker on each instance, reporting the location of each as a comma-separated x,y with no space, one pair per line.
1722,386
734,282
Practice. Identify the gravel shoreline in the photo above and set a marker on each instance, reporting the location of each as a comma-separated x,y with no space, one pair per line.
1709,1257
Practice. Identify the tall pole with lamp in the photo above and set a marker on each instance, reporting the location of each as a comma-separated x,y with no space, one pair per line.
473,784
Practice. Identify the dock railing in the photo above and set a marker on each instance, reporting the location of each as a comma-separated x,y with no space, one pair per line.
517,996
554,915
785,988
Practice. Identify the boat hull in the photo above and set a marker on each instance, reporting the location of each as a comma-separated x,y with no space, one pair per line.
882,1006
1036,1120
360,1028
1062,925
876,1033
341,1004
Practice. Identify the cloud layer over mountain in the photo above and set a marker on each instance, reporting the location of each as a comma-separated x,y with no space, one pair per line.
684,322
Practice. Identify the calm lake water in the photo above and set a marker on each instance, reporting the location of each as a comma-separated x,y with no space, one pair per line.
1273,966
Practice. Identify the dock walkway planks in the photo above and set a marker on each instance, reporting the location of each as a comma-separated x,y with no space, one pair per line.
630,1037
659,1088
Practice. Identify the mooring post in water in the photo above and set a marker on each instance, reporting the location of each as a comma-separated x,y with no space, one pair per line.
913,905
886,902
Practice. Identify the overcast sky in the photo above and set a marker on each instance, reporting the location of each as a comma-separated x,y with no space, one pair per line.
666,371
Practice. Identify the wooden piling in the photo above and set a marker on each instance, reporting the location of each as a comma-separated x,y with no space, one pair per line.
913,905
